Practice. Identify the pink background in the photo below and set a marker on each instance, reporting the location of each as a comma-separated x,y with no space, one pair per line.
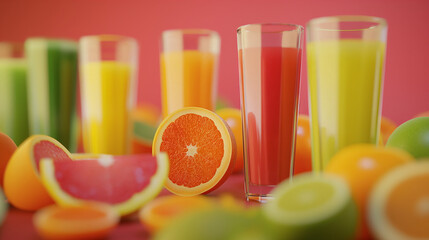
406,83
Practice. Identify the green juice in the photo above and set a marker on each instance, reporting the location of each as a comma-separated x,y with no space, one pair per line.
13,99
52,72
345,86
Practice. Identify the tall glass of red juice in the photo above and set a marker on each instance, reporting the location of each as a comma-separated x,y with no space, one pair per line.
269,65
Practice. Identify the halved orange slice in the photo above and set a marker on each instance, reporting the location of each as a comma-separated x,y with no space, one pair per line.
399,203
201,149
88,221
22,185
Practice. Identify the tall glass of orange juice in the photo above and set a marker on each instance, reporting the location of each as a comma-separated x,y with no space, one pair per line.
108,70
189,62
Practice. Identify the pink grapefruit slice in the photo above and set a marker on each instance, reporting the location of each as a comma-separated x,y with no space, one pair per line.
125,182
201,150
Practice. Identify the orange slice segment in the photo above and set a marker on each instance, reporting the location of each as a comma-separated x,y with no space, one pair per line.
89,221
399,203
201,149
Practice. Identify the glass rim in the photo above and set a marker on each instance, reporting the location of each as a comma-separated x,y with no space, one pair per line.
295,27
108,38
381,22
192,31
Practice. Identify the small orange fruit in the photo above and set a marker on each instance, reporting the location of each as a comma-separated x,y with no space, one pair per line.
7,148
232,116
302,161
201,149
22,185
387,127
88,221
362,165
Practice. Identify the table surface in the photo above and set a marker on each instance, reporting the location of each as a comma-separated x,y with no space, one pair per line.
18,224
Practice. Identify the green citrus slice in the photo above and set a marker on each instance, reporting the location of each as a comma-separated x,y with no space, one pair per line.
313,207
399,203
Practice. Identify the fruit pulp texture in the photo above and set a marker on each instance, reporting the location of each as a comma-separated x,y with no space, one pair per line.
345,84
269,87
52,74
13,99
106,107
188,80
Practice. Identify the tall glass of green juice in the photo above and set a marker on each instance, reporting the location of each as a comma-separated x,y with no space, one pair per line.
52,72
345,59
13,92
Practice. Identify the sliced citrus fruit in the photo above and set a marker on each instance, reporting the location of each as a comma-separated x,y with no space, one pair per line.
399,203
313,207
232,116
200,147
361,166
88,221
7,148
161,211
22,184
125,182
217,223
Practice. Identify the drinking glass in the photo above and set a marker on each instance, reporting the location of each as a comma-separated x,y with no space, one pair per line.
269,65
13,91
345,58
108,71
52,81
189,64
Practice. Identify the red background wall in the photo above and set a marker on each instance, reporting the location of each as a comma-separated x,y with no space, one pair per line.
406,84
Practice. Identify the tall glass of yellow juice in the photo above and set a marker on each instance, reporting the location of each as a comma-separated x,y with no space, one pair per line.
108,70
345,59
189,62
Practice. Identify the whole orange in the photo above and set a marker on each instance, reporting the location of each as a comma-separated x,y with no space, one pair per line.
387,127
302,160
361,166
232,116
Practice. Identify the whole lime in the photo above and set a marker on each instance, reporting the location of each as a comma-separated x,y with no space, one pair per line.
413,137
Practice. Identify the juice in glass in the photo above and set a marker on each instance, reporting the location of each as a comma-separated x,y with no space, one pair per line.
345,86
187,79
270,107
13,99
52,79
106,109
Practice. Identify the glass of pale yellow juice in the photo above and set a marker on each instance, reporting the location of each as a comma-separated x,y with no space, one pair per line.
189,62
108,71
345,59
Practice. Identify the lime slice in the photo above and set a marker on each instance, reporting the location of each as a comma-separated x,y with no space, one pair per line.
399,203
313,207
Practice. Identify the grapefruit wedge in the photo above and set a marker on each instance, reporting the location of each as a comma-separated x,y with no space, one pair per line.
125,182
201,150
22,184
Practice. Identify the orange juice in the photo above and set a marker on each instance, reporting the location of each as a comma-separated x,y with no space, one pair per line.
106,109
188,79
